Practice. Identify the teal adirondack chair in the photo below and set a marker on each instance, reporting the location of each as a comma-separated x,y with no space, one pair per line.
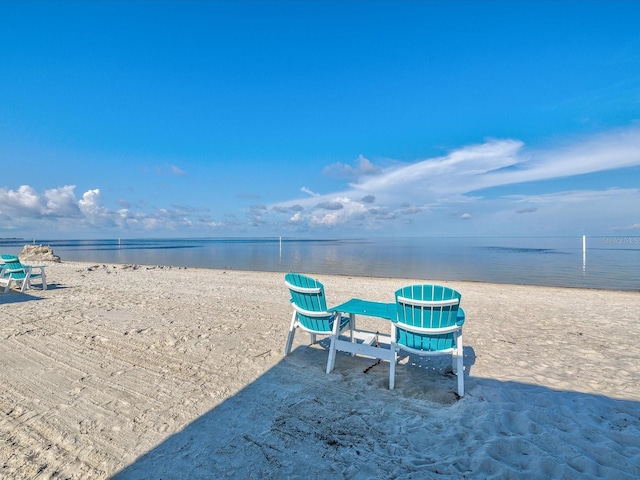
429,322
310,311
5,279
14,271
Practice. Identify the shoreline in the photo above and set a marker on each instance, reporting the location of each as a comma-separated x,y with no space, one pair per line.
409,279
122,372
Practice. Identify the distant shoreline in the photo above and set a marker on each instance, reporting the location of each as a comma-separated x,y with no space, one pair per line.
607,263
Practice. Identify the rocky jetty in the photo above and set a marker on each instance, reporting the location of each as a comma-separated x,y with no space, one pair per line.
38,253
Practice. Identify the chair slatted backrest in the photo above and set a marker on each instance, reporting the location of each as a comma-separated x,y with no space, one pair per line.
308,299
15,269
427,317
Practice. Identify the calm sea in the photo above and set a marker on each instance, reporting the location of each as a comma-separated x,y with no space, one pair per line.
609,263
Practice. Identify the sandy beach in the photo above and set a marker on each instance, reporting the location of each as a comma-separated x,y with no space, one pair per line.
137,372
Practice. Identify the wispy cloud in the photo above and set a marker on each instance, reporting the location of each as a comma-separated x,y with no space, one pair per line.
163,170
441,182
606,151
309,192
176,170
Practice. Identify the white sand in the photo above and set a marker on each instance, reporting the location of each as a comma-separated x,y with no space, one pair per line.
179,373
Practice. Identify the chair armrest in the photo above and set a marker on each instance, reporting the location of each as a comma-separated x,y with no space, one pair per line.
13,270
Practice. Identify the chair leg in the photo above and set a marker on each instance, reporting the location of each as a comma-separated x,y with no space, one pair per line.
292,332
394,358
352,326
460,377
392,366
331,361
459,368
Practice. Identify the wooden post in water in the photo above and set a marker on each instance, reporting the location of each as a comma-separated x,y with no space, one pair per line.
281,246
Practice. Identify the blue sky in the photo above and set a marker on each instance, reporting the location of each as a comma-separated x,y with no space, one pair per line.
319,118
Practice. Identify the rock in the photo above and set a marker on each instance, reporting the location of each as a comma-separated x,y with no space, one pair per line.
38,253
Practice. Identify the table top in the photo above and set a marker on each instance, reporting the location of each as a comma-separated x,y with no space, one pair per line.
387,311
357,306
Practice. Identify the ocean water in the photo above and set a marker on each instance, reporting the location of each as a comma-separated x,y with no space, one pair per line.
609,263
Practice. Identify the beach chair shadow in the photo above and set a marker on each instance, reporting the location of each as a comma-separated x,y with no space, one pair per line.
56,286
310,311
14,297
290,410
294,422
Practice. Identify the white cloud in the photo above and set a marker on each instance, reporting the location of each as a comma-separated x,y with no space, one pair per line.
431,194
297,218
24,201
329,219
57,209
61,201
605,151
90,202
438,183
341,170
